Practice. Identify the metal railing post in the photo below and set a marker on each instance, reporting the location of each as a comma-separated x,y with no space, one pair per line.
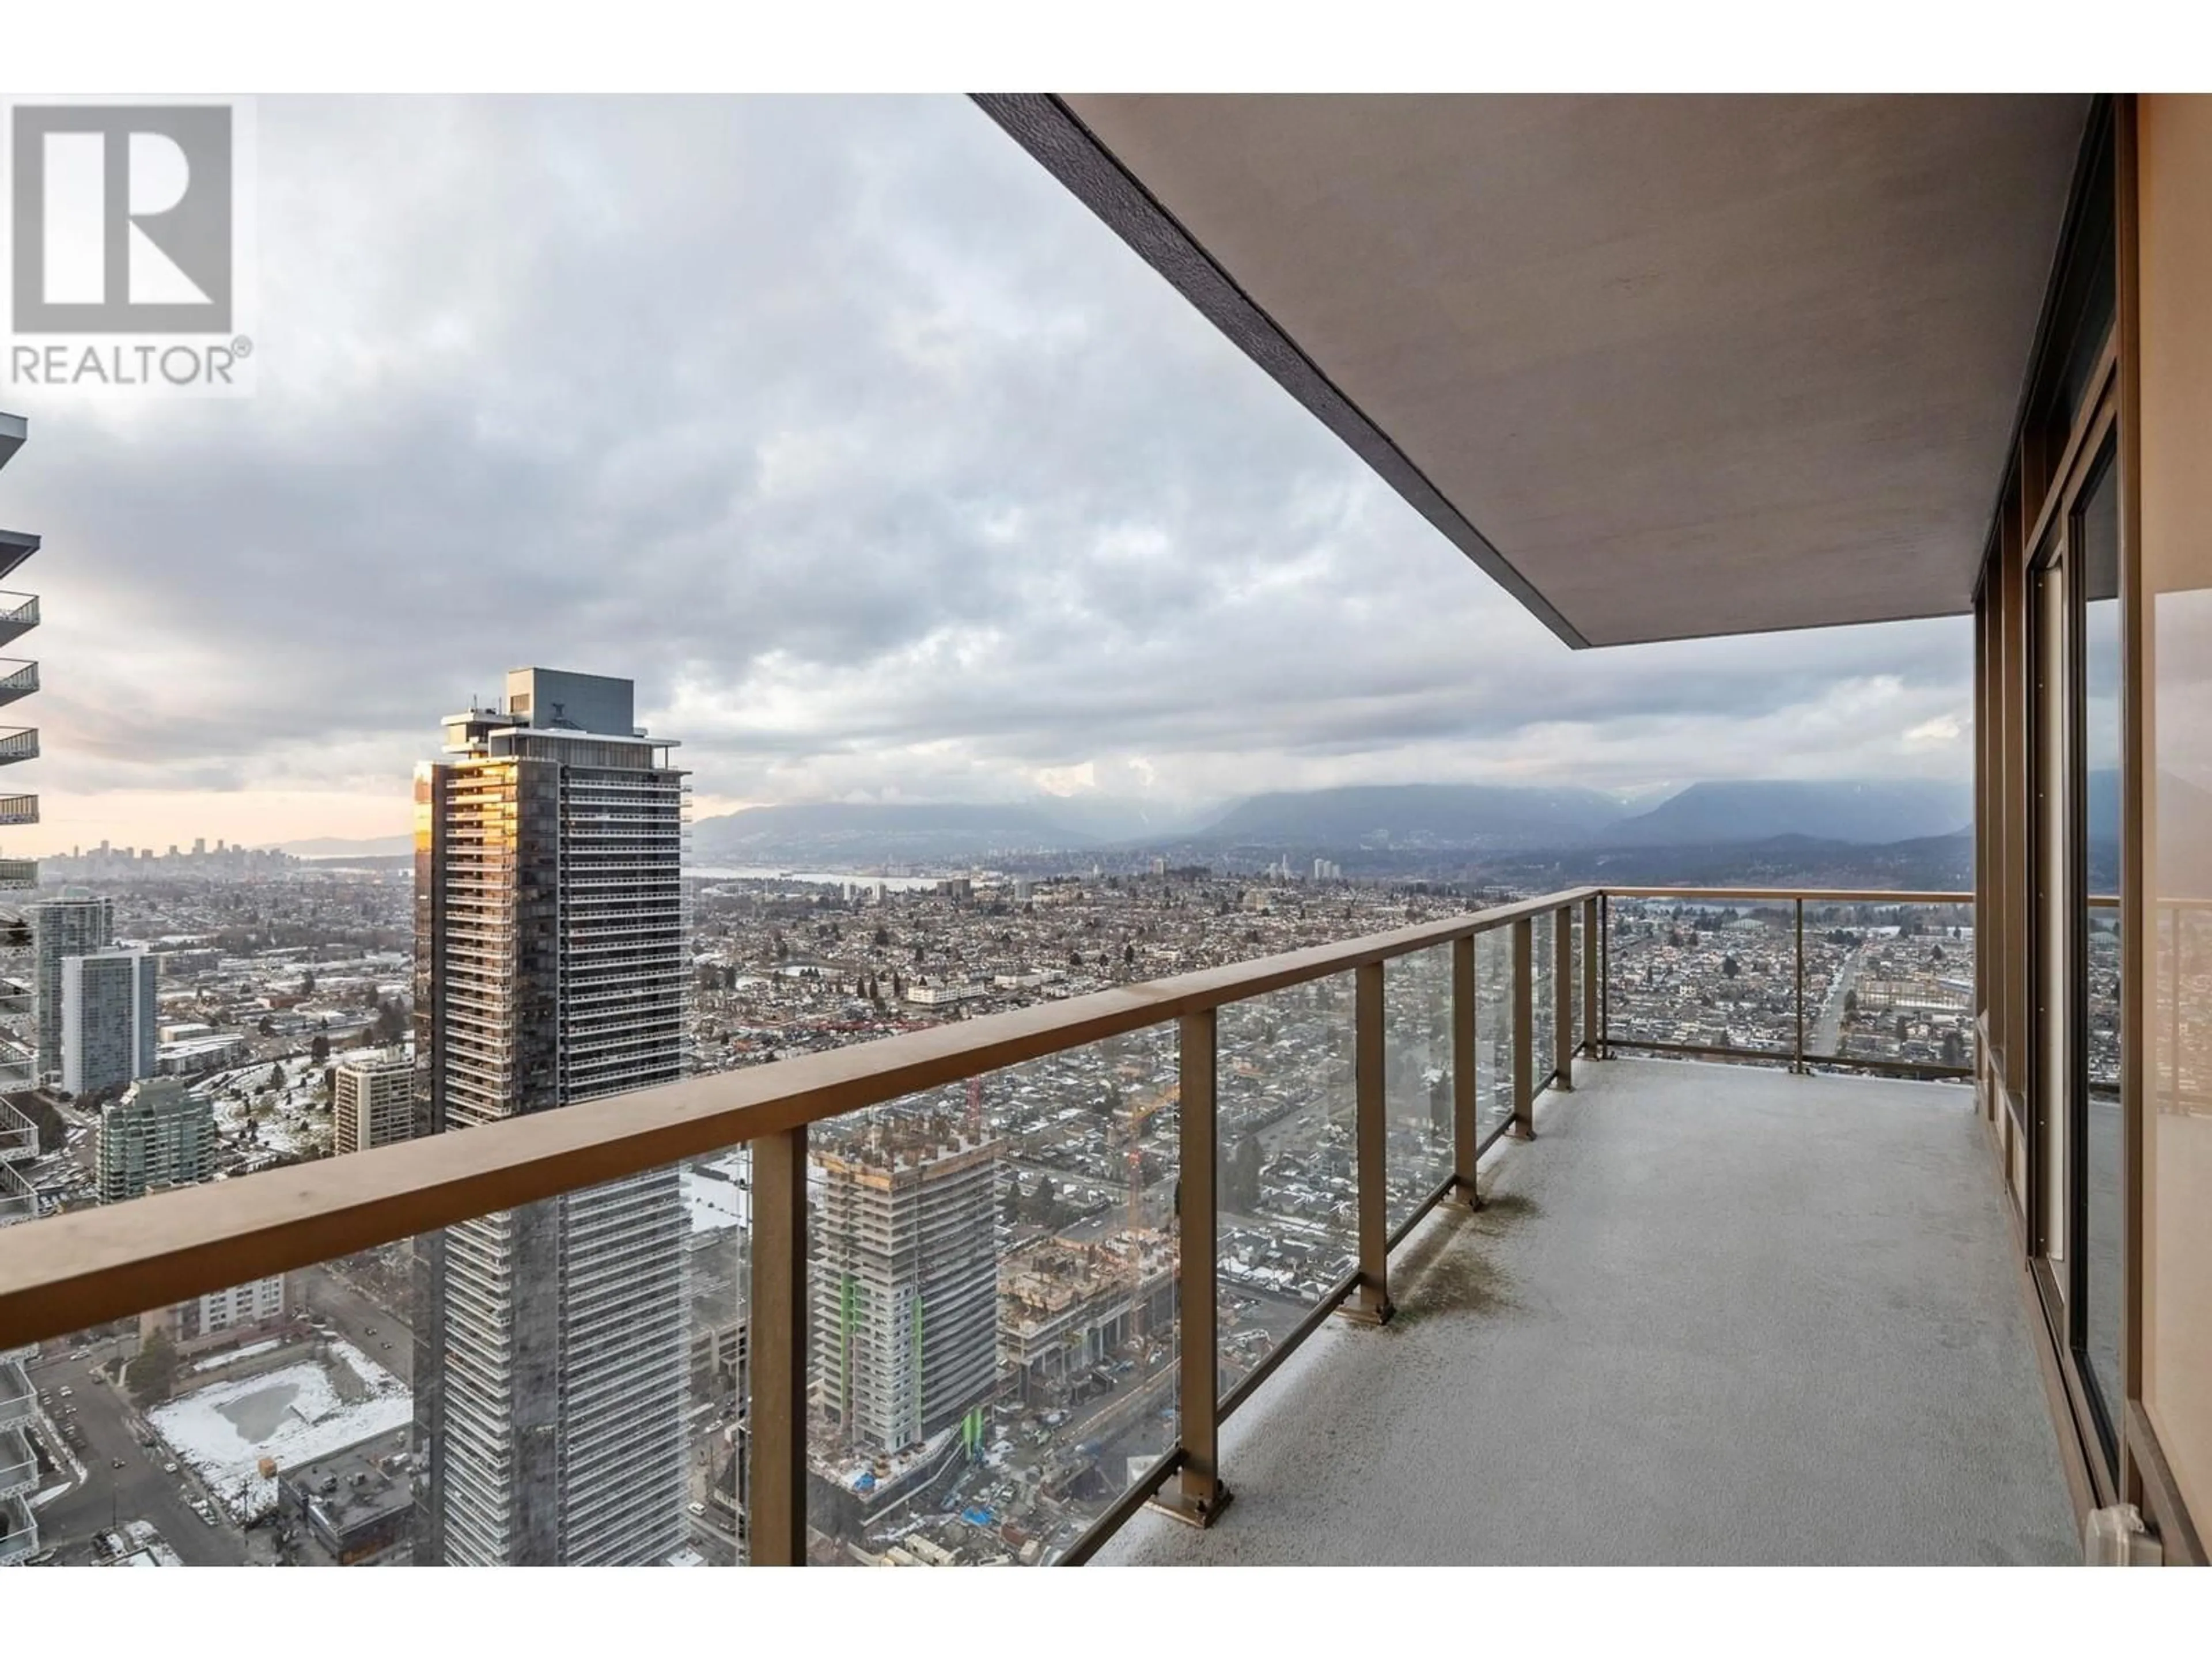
1197,1496
1593,938
1466,1126
777,1419
1563,999
1370,1304
1797,1060
1524,1031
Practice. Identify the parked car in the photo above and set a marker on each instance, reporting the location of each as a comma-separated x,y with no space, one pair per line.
168,1468
114,1463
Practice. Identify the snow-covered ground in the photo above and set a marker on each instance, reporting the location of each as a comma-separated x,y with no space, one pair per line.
246,1352
292,1414
292,1118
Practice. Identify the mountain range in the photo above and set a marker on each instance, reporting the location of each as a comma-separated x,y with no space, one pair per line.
1399,818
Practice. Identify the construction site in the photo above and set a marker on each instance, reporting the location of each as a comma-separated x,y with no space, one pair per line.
992,1295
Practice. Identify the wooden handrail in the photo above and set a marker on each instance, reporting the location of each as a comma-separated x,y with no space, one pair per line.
74,1270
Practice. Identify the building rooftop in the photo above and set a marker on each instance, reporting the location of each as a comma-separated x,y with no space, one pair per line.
361,1483
1712,1315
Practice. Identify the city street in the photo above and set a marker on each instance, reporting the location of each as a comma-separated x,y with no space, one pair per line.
136,1492
1827,1029
370,1328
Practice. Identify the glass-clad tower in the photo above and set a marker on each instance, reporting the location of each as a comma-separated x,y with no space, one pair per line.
552,966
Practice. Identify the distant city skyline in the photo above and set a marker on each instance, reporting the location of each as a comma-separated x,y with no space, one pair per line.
924,488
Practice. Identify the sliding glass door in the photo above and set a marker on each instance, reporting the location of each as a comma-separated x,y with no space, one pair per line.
2080,784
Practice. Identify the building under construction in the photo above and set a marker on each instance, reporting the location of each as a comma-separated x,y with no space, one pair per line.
905,1285
1067,1308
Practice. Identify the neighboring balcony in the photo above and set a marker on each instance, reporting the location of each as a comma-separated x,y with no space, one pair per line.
1766,1310
19,1469
19,1534
19,681
16,546
19,615
19,1136
18,1202
19,743
19,809
18,1402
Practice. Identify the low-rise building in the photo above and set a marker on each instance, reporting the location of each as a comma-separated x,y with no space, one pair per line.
354,1502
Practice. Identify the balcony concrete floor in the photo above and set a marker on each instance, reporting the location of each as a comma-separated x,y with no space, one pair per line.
1711,1314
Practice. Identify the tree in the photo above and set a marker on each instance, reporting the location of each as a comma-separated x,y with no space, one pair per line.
277,1075
267,1027
1729,967
320,1049
308,983
1240,1174
150,1376
1851,1003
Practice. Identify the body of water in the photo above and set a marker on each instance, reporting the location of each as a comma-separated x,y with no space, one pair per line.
824,878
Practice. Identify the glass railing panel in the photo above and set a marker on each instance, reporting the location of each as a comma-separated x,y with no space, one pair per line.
993,1344
556,1384
1571,920
1709,976
1543,1007
1417,1068
1288,1184
1494,1031
1890,985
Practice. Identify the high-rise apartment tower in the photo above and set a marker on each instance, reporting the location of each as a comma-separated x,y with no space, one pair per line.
372,1100
552,966
108,1013
905,1285
71,925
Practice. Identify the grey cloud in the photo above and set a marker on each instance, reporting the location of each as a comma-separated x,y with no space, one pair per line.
881,464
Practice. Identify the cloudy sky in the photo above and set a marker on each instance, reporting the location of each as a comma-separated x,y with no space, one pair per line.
884,468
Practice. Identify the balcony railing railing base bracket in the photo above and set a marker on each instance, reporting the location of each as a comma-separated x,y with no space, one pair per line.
1358,1311
1192,1512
